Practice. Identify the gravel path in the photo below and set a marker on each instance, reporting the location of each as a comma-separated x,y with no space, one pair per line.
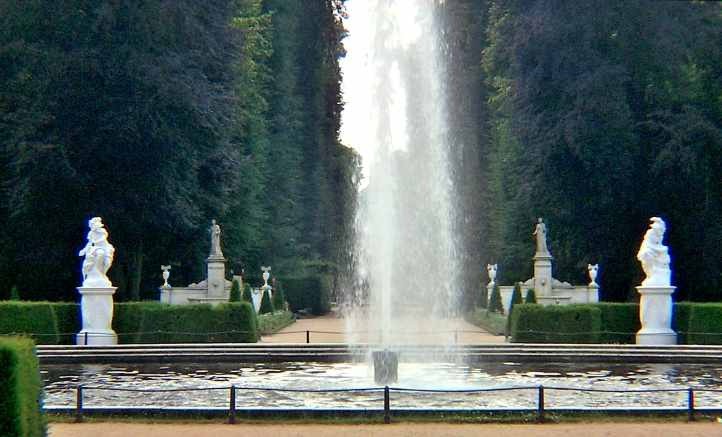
110,429
331,329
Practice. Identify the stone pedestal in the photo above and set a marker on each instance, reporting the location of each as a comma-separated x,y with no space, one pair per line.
655,315
542,274
216,278
96,306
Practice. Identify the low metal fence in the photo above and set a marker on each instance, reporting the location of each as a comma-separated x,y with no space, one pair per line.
540,411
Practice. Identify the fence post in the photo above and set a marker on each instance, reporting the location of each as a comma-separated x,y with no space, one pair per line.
79,404
308,336
690,404
387,405
540,405
232,406
86,338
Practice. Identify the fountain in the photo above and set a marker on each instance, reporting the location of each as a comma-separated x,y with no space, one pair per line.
395,115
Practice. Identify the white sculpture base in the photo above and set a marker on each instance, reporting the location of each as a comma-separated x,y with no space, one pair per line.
655,315
96,307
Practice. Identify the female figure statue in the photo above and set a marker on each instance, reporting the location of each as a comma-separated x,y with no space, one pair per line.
216,240
541,237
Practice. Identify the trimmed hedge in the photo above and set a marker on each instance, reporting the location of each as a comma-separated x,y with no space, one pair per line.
705,324
274,322
153,322
266,306
310,292
39,320
620,322
532,323
20,389
680,320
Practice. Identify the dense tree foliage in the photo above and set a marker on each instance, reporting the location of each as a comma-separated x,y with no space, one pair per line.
159,116
603,115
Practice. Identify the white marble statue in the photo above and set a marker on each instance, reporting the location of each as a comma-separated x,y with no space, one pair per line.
540,231
593,269
166,275
491,270
654,255
216,240
98,253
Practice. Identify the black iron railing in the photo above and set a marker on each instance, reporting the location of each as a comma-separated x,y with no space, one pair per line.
540,409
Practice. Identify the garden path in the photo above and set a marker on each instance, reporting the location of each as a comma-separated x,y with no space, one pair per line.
331,329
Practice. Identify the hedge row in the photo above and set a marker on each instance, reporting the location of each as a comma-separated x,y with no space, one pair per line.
137,322
153,322
20,389
531,323
308,293
695,323
45,322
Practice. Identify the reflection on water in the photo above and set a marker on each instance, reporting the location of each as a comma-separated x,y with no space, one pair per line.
61,380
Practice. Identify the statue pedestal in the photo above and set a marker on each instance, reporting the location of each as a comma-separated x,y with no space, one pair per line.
655,315
216,278
543,274
96,306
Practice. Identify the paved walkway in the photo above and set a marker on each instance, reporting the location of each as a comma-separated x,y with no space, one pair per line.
332,329
109,429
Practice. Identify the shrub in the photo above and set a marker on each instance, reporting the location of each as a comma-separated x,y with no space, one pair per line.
515,300
308,292
20,390
272,323
35,319
266,304
153,322
619,322
247,295
705,324
680,320
495,303
530,296
14,293
68,321
279,297
532,323
483,296
235,295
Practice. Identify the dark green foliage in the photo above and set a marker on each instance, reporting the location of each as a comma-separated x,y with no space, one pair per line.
20,389
68,321
273,322
266,304
279,297
620,322
36,319
309,293
680,320
235,295
579,88
495,303
247,294
483,296
705,324
555,324
14,293
225,109
516,299
152,322
530,296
